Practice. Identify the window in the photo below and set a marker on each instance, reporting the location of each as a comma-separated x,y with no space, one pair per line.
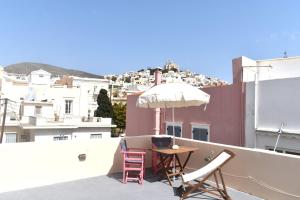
38,110
57,138
10,137
177,129
95,97
41,75
12,118
96,136
200,132
25,138
68,106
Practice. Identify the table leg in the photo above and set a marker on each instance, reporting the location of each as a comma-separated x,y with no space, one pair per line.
178,160
187,159
168,169
166,162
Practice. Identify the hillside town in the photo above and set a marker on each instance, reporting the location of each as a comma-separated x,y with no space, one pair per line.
170,73
143,79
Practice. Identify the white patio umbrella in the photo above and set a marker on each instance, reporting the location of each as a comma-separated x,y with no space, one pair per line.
172,95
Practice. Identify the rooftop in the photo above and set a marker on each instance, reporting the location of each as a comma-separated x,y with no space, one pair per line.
110,187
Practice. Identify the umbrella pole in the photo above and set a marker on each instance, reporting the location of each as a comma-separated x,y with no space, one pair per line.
173,126
174,160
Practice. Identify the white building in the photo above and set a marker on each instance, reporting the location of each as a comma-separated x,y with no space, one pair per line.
42,111
44,129
12,87
272,101
89,90
41,128
39,77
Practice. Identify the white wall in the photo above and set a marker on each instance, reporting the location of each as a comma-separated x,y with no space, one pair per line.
41,92
46,110
78,134
19,90
40,77
29,165
85,133
59,95
278,102
28,110
250,137
257,172
280,68
46,135
88,89
85,100
36,164
92,84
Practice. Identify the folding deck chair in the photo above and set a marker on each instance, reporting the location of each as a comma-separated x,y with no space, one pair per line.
197,180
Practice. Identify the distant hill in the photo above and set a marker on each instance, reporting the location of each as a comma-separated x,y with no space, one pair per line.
27,67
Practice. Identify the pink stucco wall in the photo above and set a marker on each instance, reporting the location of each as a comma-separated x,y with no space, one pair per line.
139,121
224,115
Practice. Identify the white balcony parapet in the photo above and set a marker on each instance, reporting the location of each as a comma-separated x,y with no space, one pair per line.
262,173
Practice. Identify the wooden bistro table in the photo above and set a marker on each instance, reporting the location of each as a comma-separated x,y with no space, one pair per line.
166,159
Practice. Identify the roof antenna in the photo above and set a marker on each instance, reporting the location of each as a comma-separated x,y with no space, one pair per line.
280,131
285,54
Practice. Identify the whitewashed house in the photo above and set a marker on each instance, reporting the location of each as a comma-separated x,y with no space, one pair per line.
12,87
41,111
89,90
40,77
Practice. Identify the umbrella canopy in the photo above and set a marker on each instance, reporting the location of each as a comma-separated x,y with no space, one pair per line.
172,95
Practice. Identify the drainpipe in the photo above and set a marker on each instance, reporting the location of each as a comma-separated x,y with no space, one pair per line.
157,81
243,93
255,105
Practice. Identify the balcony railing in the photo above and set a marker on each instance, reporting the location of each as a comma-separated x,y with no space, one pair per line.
72,120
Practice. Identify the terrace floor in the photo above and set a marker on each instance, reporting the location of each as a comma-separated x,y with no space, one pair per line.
105,187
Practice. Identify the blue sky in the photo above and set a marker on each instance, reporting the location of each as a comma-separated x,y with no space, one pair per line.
105,37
